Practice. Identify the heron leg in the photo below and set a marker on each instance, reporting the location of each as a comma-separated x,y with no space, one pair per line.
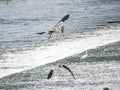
50,33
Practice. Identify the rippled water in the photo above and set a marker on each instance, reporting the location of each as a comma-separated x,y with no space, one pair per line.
87,27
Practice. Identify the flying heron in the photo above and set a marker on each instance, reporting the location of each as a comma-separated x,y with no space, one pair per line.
50,74
58,27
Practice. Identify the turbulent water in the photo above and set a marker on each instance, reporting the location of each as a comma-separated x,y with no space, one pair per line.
88,27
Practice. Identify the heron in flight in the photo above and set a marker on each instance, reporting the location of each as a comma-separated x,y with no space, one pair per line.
50,74
58,27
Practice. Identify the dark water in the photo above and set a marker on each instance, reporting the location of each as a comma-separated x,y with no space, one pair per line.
87,28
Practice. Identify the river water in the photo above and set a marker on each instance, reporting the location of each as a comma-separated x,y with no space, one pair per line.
87,28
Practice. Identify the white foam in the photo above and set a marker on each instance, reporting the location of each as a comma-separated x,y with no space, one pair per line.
58,50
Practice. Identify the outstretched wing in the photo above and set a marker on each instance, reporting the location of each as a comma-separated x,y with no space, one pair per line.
64,18
41,33
50,74
69,70
59,25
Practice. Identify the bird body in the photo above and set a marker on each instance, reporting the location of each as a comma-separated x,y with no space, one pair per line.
84,56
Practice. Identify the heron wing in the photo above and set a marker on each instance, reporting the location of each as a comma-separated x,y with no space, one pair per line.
41,33
69,71
65,18
50,74
62,20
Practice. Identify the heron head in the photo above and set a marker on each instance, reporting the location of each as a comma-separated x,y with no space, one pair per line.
60,65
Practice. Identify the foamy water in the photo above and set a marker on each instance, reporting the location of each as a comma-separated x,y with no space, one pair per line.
58,50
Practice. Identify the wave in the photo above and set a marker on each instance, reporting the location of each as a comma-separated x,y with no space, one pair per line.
58,50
